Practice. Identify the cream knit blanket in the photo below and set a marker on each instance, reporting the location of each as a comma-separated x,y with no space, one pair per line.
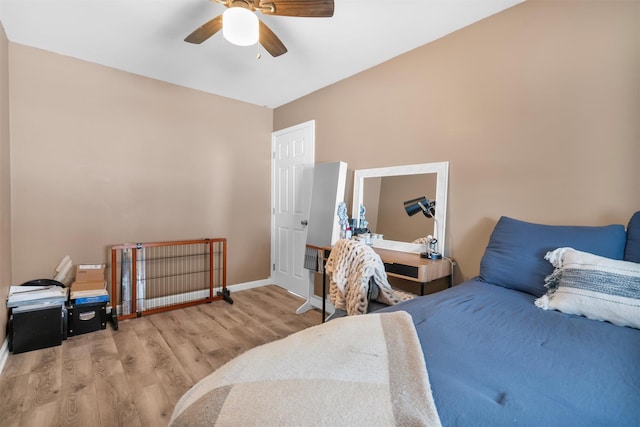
350,266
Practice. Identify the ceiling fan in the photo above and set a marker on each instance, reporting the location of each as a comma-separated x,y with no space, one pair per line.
267,38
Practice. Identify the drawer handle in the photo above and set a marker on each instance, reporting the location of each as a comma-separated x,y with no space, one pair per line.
87,316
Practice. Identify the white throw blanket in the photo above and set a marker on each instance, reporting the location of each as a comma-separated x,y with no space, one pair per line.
353,371
350,266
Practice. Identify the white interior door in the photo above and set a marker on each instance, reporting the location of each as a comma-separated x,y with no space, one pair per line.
292,178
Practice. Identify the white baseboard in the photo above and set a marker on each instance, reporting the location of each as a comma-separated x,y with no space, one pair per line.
4,353
249,285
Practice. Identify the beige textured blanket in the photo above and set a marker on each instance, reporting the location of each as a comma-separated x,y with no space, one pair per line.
351,266
354,371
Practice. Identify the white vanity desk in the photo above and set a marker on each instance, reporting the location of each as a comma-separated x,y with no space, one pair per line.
403,265
401,258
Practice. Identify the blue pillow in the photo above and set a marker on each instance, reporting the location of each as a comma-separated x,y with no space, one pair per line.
514,257
632,251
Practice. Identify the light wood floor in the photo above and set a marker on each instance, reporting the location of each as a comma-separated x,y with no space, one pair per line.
134,376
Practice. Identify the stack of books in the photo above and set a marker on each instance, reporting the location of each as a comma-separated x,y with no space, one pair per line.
91,296
89,286
23,298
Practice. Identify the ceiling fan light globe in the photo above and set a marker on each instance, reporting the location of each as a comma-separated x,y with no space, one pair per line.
240,26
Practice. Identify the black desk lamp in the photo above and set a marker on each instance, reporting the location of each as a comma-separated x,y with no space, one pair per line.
428,208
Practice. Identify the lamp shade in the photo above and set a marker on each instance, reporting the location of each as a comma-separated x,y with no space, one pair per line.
240,26
420,204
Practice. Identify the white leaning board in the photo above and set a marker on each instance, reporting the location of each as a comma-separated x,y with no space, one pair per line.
329,182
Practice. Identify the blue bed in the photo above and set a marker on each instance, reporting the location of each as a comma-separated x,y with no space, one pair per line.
513,346
494,358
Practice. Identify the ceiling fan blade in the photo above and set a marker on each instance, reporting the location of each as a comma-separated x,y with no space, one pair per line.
205,31
301,8
270,41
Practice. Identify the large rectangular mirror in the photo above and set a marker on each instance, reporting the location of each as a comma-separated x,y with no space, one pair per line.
382,191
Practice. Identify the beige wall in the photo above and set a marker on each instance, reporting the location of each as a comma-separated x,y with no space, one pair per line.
537,109
5,181
102,157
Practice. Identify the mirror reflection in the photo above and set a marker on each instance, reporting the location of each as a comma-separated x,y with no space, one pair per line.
383,192
383,198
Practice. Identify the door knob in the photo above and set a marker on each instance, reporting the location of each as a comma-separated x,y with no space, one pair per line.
304,222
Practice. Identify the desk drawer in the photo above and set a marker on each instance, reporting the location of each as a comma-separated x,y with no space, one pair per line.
402,269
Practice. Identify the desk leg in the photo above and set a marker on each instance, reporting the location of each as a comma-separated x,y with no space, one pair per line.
324,294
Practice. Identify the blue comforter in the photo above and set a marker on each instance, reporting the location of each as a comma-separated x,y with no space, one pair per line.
495,359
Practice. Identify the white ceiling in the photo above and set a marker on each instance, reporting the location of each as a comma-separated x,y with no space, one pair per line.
146,37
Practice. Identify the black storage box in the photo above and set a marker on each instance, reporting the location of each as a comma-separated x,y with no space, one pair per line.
85,318
35,327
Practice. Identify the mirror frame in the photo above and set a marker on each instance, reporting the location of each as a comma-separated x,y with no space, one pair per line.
441,169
